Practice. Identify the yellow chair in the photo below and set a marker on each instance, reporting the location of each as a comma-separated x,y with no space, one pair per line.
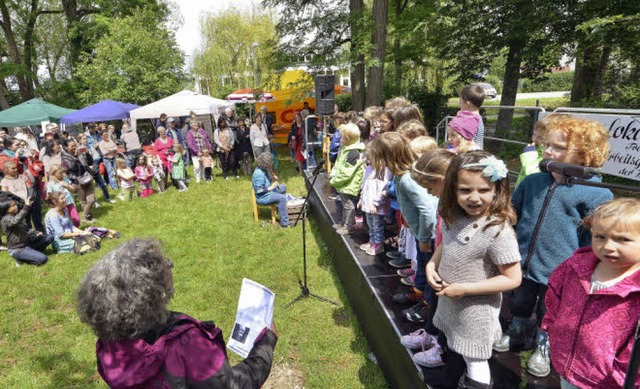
255,207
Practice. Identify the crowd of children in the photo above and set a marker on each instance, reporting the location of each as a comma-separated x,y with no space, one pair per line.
465,240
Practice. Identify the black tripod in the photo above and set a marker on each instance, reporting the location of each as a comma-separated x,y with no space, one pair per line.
304,289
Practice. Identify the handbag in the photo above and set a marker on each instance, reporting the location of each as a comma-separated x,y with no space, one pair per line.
85,178
293,143
86,244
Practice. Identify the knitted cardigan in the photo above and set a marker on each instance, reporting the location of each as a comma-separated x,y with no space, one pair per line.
560,232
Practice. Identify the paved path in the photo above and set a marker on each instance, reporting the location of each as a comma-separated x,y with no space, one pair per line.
537,95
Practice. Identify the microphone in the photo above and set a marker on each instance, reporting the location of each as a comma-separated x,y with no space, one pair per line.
319,166
567,169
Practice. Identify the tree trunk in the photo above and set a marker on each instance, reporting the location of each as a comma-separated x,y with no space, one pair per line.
357,55
4,103
14,52
397,62
509,88
598,83
70,8
29,49
379,40
587,64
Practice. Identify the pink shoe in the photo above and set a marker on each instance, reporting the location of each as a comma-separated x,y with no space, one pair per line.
420,339
429,358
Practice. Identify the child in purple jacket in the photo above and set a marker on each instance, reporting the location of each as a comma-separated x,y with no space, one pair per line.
593,301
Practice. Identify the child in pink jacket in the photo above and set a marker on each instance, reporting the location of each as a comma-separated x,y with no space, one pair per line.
593,301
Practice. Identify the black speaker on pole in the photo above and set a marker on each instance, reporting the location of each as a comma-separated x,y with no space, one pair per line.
325,95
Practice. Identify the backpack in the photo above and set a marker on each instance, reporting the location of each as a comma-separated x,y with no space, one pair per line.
86,244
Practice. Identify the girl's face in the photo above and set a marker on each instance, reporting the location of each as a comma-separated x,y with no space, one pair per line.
13,208
474,192
247,122
176,148
105,136
162,133
385,123
142,161
57,148
615,243
557,149
59,175
453,138
12,170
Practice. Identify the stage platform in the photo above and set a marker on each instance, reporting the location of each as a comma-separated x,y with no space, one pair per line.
370,283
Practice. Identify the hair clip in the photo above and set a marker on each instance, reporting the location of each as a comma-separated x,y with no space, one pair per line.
494,168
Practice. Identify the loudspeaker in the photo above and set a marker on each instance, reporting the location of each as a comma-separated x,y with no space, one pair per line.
325,95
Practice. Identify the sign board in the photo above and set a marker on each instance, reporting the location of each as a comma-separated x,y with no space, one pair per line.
624,140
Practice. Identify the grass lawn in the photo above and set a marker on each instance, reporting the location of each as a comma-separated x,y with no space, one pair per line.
210,235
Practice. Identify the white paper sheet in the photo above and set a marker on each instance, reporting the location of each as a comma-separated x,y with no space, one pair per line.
255,312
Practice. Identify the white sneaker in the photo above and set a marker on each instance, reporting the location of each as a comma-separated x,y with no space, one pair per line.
112,201
96,205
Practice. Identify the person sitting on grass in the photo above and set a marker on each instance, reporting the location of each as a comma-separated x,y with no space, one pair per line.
25,245
142,344
59,224
59,183
268,189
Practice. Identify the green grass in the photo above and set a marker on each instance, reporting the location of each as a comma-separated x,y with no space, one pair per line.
210,235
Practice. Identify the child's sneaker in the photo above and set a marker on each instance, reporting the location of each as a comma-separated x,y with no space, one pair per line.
408,272
375,249
411,297
417,313
395,254
420,339
407,281
400,263
365,246
429,358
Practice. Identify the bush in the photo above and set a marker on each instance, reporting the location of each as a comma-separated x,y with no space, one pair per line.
432,104
344,102
561,81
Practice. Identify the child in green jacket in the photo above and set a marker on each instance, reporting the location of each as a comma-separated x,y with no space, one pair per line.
347,175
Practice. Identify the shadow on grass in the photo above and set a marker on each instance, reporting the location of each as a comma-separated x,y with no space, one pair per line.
62,367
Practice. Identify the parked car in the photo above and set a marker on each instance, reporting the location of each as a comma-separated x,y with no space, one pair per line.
489,91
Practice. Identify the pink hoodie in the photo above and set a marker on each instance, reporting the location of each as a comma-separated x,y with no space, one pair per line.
591,335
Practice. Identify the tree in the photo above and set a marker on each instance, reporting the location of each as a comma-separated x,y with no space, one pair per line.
229,58
379,42
137,61
476,31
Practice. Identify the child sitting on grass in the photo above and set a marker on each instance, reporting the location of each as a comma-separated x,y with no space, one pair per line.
347,175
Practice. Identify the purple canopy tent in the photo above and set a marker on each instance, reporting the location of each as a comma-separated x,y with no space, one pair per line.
102,111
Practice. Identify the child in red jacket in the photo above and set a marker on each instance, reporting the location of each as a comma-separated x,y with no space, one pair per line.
593,301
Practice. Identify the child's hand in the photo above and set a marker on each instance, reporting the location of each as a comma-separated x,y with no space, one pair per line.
453,290
374,209
433,278
359,204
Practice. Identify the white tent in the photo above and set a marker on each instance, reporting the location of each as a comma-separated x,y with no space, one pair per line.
180,104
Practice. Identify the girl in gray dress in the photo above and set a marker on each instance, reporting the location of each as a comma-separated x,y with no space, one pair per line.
477,260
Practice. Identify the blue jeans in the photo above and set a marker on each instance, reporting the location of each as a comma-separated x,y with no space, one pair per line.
103,185
110,165
279,197
376,228
32,254
420,281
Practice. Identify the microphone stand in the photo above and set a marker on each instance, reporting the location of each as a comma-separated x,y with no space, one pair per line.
634,359
304,289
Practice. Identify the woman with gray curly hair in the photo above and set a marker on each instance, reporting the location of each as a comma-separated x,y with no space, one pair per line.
140,343
268,189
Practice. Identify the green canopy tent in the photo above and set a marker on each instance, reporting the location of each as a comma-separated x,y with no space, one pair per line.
32,112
